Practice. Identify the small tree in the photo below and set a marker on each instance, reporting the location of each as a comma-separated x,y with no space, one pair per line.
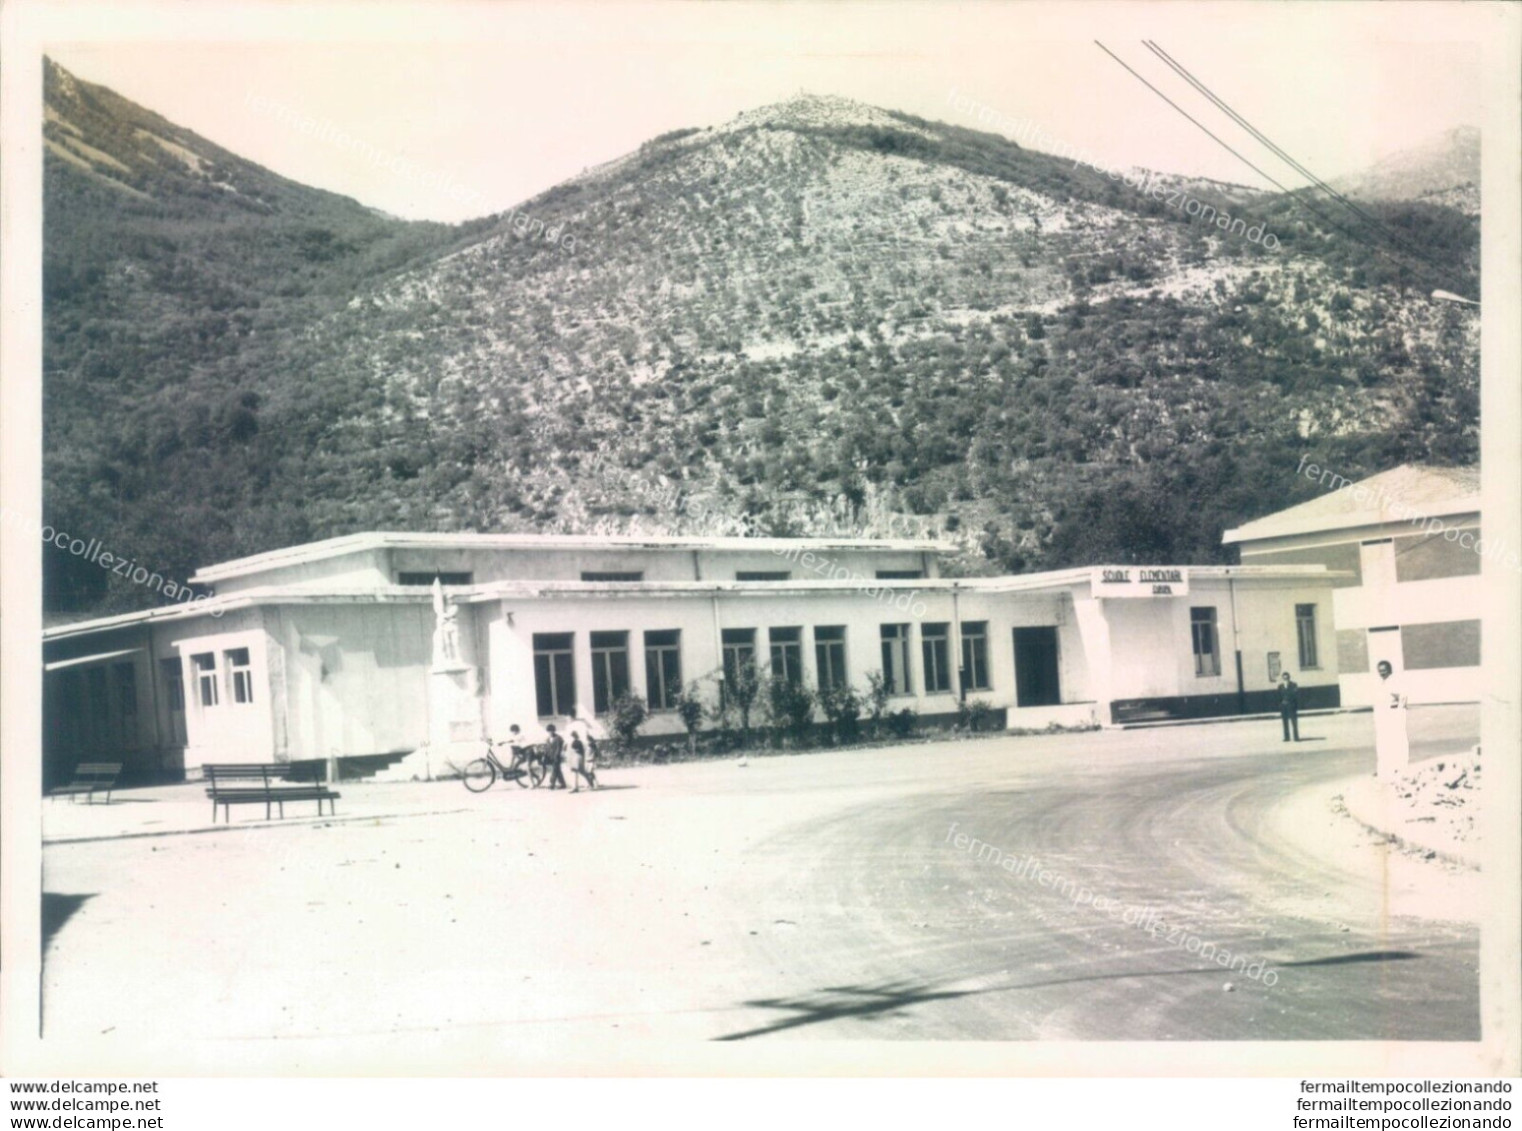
841,705
689,708
877,698
791,707
740,695
628,715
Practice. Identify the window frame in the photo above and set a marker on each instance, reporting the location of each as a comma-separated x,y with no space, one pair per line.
935,657
901,638
605,681
1212,623
830,655
422,579
974,678
1309,654
612,576
240,677
551,654
788,650
665,688
208,678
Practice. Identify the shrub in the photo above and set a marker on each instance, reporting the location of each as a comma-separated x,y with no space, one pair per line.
791,707
689,708
739,700
629,714
901,724
877,698
975,715
842,707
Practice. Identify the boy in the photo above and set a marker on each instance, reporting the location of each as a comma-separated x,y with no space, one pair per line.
554,755
583,767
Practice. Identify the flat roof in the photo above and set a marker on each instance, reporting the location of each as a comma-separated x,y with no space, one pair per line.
1408,493
1053,580
379,540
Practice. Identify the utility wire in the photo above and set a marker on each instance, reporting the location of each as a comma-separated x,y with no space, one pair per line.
1377,224
1271,180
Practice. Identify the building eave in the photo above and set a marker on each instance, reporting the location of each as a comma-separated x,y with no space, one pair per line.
381,540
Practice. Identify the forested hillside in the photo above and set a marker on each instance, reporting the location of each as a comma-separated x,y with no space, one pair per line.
820,317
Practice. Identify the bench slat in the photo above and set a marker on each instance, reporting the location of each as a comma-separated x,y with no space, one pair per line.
274,788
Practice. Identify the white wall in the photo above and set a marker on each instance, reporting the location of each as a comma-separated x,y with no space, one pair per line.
701,622
355,677
362,569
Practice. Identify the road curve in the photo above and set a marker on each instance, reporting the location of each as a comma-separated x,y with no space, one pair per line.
910,936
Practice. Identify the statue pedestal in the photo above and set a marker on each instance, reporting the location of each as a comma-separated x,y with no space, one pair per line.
456,727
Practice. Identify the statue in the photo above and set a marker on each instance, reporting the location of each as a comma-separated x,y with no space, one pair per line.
446,631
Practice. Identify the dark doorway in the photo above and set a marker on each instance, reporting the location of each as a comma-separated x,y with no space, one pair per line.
1036,682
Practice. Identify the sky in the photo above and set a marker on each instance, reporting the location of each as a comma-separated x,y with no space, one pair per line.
457,112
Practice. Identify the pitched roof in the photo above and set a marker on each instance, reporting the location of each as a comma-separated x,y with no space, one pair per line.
1407,493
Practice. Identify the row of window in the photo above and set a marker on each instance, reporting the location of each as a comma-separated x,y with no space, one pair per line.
426,579
1207,642
555,669
235,673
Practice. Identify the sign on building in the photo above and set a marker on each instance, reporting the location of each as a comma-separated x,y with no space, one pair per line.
1139,581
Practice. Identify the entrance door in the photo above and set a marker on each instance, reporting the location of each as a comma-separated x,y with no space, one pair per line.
1036,667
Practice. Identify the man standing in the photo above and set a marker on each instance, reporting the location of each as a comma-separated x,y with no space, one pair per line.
1392,742
1289,706
554,757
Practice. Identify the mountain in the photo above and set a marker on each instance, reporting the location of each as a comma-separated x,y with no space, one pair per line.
1444,170
819,317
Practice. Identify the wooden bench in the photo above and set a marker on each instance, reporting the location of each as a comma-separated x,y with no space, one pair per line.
90,778
261,783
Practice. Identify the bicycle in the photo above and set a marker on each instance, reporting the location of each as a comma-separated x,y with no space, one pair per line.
527,769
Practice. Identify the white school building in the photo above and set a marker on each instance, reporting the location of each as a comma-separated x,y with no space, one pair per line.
340,648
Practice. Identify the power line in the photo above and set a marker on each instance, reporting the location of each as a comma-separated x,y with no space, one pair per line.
1271,180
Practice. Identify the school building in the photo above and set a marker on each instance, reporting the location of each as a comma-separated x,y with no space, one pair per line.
1405,550
405,651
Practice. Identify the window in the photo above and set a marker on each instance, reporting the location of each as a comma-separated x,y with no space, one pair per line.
205,664
1207,656
763,575
663,669
935,646
830,656
610,669
975,655
240,676
613,575
125,677
405,577
554,676
739,646
169,672
896,659
1305,631
900,574
787,654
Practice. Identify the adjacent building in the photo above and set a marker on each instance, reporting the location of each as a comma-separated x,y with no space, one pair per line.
1405,549
387,646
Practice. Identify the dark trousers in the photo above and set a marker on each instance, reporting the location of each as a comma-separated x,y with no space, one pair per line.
1290,717
557,776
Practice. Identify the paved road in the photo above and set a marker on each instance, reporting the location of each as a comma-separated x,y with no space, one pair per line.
814,897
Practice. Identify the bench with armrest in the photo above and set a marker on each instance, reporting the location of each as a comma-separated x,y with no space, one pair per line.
90,778
268,784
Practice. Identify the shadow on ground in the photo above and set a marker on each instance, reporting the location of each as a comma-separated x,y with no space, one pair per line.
893,999
56,911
